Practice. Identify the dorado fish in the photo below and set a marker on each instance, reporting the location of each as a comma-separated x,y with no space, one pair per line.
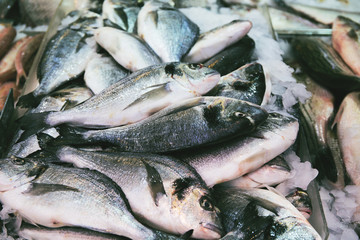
65,58
246,83
232,57
7,35
348,132
126,48
54,196
345,40
272,173
232,159
167,31
173,197
261,214
103,71
189,123
133,99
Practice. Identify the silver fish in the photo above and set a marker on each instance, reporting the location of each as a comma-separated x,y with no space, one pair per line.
55,196
167,31
173,197
126,48
133,99
189,123
214,41
232,159
103,71
262,214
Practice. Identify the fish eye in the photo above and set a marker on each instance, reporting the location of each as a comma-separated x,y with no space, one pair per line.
18,161
194,66
206,204
239,115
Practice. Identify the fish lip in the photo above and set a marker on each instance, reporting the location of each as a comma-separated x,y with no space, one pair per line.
212,227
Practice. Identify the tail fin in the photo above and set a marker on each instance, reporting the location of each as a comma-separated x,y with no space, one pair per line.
29,101
33,123
69,136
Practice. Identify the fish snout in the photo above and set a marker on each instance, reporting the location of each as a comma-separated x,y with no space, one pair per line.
207,231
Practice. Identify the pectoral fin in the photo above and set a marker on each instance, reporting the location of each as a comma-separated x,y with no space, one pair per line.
38,189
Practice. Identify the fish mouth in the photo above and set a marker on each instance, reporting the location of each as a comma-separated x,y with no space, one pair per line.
213,228
209,82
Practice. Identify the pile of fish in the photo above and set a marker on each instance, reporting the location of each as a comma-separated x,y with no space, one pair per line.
143,126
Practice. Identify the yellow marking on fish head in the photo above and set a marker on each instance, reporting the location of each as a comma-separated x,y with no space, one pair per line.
213,64
221,102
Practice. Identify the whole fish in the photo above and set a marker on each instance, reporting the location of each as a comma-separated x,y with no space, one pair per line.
232,57
31,232
126,48
7,35
272,173
345,40
324,65
167,31
232,159
214,41
24,55
302,201
348,132
103,71
189,123
261,214
54,196
173,197
65,58
246,83
122,13
133,99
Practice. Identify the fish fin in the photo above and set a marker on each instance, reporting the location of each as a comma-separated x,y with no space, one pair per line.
190,104
81,43
155,183
28,101
160,90
38,189
154,17
338,116
121,13
68,135
108,23
187,235
32,123
44,139
180,185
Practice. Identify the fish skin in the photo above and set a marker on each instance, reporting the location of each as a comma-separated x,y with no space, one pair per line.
172,212
133,99
167,31
246,83
232,159
228,60
348,129
103,71
262,214
127,49
345,40
189,123
7,35
54,196
214,41
5,6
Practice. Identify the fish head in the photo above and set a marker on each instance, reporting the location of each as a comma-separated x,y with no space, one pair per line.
228,112
194,77
195,209
301,200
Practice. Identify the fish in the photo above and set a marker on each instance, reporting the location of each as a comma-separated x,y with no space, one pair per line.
54,196
214,41
127,49
348,129
228,60
7,63
345,40
232,159
302,201
174,197
65,58
261,214
24,55
5,6
247,83
103,71
7,35
272,173
190,3
133,99
121,13
189,123
167,31
31,232
325,66
4,91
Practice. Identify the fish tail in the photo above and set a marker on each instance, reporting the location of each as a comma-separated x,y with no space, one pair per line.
324,162
69,136
33,123
29,101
